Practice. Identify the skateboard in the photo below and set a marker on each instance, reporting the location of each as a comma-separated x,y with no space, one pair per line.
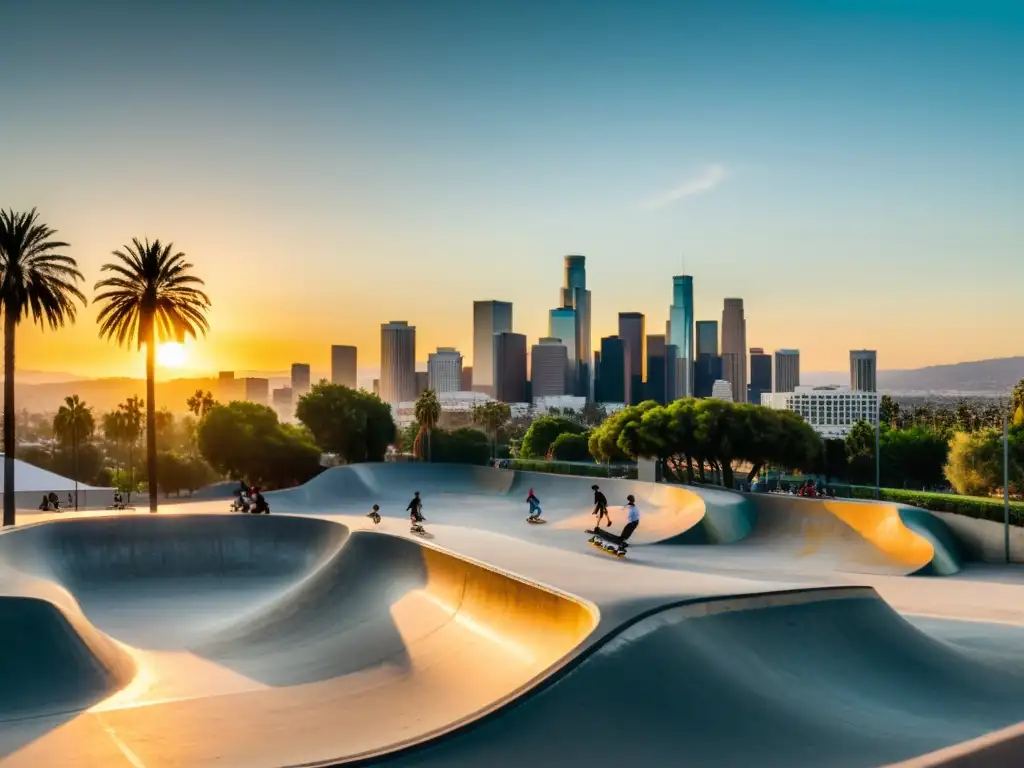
535,520
418,529
607,542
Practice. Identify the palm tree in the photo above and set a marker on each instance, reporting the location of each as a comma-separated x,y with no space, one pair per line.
114,430
73,425
427,412
491,417
131,421
151,297
37,282
200,403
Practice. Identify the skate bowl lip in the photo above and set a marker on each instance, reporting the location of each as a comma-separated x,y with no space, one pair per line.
594,643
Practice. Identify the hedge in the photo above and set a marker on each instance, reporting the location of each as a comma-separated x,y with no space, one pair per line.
968,506
578,469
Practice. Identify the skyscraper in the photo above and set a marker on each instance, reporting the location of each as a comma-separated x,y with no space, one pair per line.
576,296
444,370
707,370
864,370
397,362
787,370
760,375
707,337
548,362
671,370
282,402
466,380
613,374
343,365
734,348
300,380
257,391
489,319
422,382
632,327
510,367
562,326
681,335
656,388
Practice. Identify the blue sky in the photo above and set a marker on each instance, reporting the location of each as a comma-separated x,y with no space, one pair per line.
854,171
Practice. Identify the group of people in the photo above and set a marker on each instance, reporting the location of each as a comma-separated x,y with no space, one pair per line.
250,499
416,518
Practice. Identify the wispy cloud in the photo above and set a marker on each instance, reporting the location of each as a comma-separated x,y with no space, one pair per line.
705,181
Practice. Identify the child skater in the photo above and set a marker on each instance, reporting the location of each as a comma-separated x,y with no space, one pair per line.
534,503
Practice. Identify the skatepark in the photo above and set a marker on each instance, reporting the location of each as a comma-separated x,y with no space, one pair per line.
738,630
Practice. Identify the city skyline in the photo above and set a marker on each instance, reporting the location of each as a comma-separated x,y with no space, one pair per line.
848,156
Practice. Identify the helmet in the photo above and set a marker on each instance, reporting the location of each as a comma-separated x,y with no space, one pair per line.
375,507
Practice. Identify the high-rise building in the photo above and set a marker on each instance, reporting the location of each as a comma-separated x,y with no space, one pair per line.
787,370
444,370
707,370
510,367
760,375
707,338
375,387
257,391
489,319
656,387
722,390
832,411
229,388
422,379
734,348
613,374
562,326
632,331
466,380
397,362
863,370
576,296
681,334
343,365
671,371
283,403
548,361
300,380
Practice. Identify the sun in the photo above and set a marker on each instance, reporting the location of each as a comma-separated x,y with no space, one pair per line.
171,354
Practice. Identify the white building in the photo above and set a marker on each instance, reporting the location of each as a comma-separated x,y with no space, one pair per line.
722,390
831,411
561,402
444,370
454,402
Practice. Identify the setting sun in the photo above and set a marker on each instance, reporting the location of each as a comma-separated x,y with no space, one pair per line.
171,355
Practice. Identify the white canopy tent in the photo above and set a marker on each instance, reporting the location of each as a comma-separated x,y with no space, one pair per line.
32,482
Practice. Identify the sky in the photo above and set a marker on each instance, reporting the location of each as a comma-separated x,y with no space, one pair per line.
853,170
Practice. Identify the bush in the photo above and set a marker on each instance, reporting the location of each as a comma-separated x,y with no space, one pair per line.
543,432
570,447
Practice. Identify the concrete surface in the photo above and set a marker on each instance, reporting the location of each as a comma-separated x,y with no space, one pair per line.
735,633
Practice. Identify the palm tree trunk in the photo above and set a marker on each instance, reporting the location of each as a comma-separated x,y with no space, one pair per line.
74,448
10,325
151,415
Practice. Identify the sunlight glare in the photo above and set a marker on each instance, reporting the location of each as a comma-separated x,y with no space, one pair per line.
171,354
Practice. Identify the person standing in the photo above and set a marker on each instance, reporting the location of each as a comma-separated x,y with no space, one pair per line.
600,506
632,519
415,510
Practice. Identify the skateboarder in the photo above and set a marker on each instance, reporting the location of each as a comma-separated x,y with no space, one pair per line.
415,510
375,514
534,503
600,506
632,519
259,504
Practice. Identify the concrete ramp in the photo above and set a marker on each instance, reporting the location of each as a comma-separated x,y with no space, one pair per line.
671,514
863,536
266,641
807,678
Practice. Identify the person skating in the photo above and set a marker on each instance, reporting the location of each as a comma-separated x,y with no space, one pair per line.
259,504
534,503
600,506
415,510
375,514
632,520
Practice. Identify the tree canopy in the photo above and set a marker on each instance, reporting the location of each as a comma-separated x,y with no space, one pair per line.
352,423
542,433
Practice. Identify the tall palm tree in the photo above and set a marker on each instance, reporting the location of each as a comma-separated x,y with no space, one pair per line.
427,412
73,425
114,430
491,417
200,403
37,282
131,422
151,296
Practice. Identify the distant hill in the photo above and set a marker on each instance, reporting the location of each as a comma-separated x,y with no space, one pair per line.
993,377
105,394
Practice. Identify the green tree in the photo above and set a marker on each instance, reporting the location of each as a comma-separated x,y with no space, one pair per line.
427,411
491,417
570,446
913,457
461,446
37,282
352,423
150,297
74,425
834,462
83,466
200,403
244,440
131,423
542,433
889,411
1017,397
860,453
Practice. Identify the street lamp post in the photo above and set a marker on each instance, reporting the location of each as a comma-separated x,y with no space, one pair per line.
878,459
1006,487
